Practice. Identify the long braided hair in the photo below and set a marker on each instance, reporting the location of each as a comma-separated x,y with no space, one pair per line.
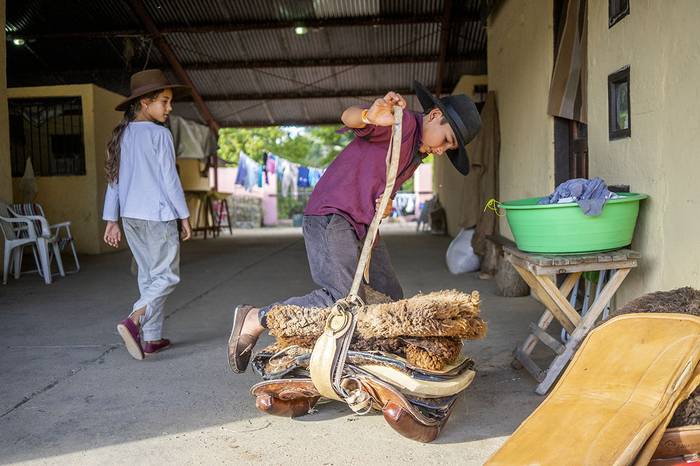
114,144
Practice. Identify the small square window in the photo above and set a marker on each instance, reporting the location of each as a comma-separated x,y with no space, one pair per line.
617,9
619,114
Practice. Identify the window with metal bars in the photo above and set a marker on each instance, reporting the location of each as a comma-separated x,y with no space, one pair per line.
49,130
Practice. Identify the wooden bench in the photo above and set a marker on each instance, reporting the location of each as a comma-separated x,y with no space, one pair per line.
537,270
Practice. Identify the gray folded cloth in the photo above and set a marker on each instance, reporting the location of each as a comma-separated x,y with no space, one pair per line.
590,195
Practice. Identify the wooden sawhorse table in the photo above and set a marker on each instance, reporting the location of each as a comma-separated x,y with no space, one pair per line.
206,218
538,270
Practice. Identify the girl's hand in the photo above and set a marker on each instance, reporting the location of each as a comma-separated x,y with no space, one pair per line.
186,229
381,113
112,234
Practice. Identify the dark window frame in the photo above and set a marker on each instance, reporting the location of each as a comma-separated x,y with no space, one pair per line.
614,79
617,9
49,130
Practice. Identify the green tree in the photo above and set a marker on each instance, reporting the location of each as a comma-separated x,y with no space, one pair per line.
315,146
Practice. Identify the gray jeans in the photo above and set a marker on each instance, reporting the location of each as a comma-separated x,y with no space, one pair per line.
156,249
333,251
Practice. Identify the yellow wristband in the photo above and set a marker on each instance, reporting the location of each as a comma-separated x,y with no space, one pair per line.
365,120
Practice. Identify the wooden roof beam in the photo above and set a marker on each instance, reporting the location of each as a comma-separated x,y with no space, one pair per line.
445,28
298,63
140,11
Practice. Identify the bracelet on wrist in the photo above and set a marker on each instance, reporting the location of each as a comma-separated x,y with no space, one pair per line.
365,120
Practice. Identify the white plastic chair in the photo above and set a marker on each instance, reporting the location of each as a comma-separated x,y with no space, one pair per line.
20,231
60,230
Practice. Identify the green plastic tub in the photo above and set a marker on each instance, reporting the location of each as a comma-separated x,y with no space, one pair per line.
564,229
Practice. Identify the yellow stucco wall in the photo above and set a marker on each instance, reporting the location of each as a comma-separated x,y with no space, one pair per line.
78,198
520,61
661,158
191,175
449,183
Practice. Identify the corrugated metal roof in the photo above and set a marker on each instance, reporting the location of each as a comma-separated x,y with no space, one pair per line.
233,63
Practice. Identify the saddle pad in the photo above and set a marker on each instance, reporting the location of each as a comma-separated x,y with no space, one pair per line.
293,360
620,387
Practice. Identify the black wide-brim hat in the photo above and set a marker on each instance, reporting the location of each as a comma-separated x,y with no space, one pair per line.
463,117
147,81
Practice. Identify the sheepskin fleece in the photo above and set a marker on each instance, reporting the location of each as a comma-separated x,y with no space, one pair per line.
286,360
685,301
447,313
432,353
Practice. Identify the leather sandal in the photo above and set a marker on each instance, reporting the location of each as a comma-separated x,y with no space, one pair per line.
240,346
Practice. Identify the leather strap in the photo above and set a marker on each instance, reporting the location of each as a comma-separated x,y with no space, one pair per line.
330,351
393,156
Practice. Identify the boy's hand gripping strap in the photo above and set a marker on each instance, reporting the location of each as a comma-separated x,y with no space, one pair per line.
330,351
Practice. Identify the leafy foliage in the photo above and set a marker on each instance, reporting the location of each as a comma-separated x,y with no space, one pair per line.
315,146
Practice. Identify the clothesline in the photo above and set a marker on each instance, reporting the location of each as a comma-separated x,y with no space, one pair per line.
292,175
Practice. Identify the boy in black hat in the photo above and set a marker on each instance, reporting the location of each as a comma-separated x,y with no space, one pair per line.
344,201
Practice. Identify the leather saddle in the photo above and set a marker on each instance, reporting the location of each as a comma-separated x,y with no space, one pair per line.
415,402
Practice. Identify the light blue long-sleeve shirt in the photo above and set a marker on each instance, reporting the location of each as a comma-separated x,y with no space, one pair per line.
149,187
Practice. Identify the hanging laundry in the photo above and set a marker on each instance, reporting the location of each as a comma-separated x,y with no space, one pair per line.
248,172
314,176
253,174
303,177
405,203
264,168
261,175
242,174
289,179
271,164
411,205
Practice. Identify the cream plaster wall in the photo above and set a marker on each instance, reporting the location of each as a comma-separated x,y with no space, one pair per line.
450,185
520,61
662,46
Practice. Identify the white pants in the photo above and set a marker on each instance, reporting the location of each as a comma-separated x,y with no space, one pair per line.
156,249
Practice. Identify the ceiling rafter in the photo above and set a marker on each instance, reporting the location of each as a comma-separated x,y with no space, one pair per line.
311,23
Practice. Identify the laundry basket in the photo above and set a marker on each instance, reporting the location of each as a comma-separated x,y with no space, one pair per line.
564,229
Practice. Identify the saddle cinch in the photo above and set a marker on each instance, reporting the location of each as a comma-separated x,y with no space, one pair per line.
414,388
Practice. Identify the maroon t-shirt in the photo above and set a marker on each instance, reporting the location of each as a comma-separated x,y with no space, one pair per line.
356,178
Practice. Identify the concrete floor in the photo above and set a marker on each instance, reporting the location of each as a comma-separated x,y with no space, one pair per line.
70,393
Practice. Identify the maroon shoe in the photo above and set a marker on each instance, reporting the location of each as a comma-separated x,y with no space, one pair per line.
132,340
149,348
